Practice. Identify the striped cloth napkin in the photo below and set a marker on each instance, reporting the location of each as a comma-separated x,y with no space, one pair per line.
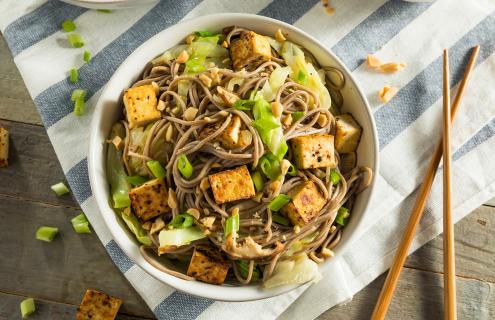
408,125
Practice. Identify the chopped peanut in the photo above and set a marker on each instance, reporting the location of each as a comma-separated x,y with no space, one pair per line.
193,212
330,10
208,222
322,120
392,67
183,57
190,38
279,36
373,62
207,81
156,87
169,134
204,184
327,253
190,113
172,199
287,120
387,93
277,109
225,44
117,142
157,225
161,105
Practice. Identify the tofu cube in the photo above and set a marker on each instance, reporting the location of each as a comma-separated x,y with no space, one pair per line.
229,138
4,147
232,185
347,134
150,199
305,204
98,306
208,265
140,106
313,151
249,51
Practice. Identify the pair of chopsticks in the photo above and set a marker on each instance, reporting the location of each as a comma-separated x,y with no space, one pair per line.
443,147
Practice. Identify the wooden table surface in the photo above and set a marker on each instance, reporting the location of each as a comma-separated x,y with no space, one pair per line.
57,274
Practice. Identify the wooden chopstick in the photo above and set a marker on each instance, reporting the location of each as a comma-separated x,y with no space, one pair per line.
387,292
448,224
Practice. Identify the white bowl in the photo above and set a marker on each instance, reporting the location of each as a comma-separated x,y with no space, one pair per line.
108,4
108,111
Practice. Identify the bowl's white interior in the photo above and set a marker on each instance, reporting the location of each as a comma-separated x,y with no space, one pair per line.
108,111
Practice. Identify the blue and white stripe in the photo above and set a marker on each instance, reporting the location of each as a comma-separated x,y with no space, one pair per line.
396,30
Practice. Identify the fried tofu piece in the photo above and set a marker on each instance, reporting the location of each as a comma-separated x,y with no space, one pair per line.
313,151
306,202
249,51
232,185
98,306
4,147
347,134
229,138
141,106
150,199
208,265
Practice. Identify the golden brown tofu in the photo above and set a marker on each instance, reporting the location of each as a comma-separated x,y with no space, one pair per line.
249,51
306,202
229,138
140,106
150,199
347,134
313,151
232,185
208,265
4,147
98,306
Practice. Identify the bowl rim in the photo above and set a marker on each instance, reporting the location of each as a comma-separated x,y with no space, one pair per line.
220,293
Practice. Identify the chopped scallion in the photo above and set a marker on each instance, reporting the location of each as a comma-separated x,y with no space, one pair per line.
184,166
244,105
334,177
68,25
232,225
74,75
86,56
292,170
80,224
278,202
27,307
78,94
157,169
243,267
280,220
60,189
297,115
342,216
46,233
203,33
79,107
182,221
270,166
75,40
121,200
136,181
258,181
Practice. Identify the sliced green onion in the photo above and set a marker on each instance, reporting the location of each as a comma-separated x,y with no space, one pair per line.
243,267
292,170
342,216
80,224
243,105
258,181
104,10
74,75
60,189
278,202
157,169
195,65
78,94
334,177
232,225
302,77
46,233
270,166
203,33
86,56
280,220
185,167
182,221
27,307
75,40
79,107
121,200
297,115
68,25
136,181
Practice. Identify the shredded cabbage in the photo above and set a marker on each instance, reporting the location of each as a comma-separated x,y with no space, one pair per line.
274,43
298,245
171,54
179,237
138,137
296,270
276,80
294,57
132,222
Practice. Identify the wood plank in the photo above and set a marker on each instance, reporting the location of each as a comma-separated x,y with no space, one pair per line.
419,295
474,245
33,166
60,270
15,102
9,309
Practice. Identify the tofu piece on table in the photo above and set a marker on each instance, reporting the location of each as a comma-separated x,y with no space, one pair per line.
229,138
232,185
347,134
306,202
313,151
150,199
98,306
249,51
4,147
208,265
140,106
